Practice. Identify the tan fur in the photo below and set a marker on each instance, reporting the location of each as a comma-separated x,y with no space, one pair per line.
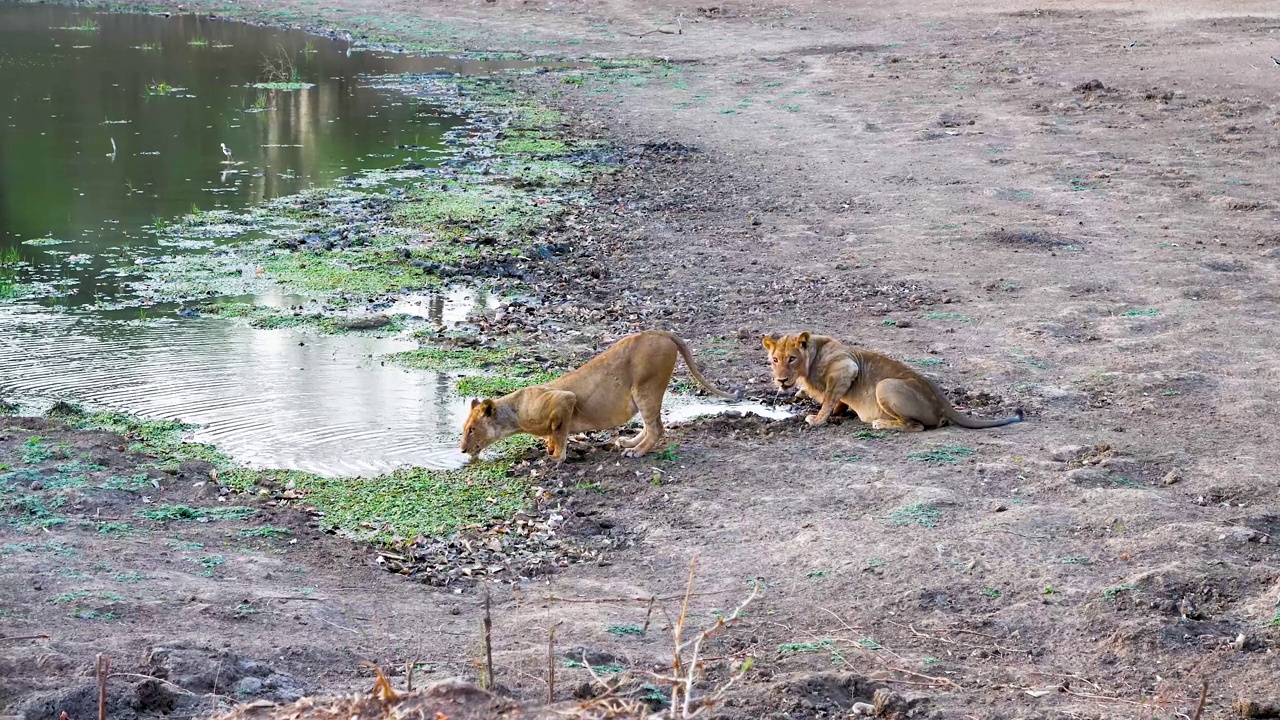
881,390
630,376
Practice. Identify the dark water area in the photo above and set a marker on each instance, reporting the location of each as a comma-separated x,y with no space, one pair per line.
111,124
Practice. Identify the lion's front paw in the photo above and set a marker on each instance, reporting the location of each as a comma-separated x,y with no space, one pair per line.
814,420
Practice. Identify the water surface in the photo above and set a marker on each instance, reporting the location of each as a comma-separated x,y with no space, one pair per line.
111,126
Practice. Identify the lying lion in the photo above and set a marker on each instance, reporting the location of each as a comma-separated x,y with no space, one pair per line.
629,377
881,390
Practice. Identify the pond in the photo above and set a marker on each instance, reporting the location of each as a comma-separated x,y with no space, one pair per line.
111,126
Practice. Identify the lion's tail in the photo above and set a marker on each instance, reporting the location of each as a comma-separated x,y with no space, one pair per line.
687,354
958,418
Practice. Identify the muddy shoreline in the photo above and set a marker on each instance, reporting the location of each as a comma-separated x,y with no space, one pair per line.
947,185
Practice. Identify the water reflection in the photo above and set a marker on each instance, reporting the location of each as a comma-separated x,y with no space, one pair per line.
107,131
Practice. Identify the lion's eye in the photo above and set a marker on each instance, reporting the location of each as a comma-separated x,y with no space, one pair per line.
791,359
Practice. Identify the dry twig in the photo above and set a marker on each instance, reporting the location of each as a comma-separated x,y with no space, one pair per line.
551,663
102,666
1204,695
488,642
15,638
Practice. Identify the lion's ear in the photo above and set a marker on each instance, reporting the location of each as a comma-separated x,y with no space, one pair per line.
804,339
488,407
769,341
474,403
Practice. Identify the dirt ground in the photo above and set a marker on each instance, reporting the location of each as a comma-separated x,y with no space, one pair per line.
937,181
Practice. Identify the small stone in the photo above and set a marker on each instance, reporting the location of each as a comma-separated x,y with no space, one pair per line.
1001,507
1172,477
247,686
1066,453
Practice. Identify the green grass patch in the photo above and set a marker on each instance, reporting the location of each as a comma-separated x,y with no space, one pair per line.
944,454
367,272
1145,312
871,434
187,513
128,483
990,592
164,439
625,630
50,546
34,511
944,316
465,210
413,501
35,450
920,513
115,528
793,648
64,482
498,385
79,595
265,532
670,453
86,614
450,358
129,578
925,362
532,143
1112,593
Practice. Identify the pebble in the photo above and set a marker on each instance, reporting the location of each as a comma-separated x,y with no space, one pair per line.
1066,453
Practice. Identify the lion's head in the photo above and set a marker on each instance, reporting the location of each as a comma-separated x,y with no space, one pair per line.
482,428
788,358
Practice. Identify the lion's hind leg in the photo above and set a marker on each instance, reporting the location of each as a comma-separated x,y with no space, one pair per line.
651,414
903,407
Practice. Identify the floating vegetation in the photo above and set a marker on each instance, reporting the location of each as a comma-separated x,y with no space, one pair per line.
282,86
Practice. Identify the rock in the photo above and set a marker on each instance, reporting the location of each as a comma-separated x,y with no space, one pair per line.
1094,85
247,686
1241,535
1087,476
1172,477
370,322
1067,453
